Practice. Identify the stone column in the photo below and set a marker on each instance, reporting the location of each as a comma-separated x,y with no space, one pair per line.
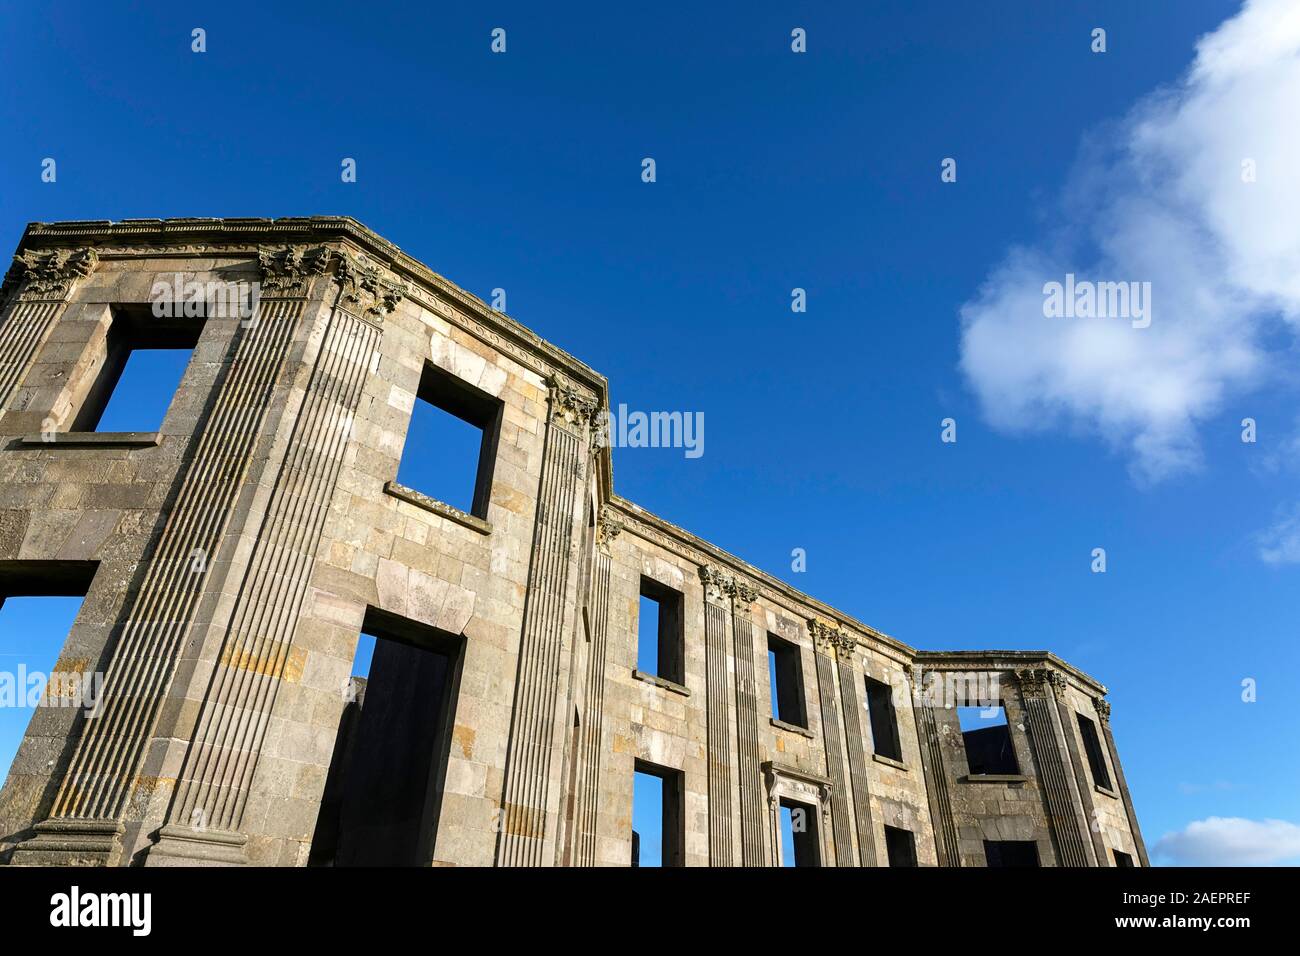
852,690
205,816
1103,715
826,637
86,822
947,849
1083,781
38,284
718,586
1069,826
749,744
531,759
590,750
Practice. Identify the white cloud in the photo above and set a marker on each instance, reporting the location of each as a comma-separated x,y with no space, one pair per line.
1158,197
1280,544
1230,841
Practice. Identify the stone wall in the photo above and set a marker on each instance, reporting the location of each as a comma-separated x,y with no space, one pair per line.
231,560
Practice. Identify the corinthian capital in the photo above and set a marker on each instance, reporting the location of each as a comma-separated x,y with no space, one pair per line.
717,582
607,529
1102,707
825,634
368,289
49,275
286,270
1039,681
744,593
570,404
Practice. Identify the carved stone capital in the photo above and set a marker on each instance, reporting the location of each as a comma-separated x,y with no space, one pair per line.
825,635
717,582
744,594
368,290
845,645
570,404
1102,706
607,529
1039,681
48,275
287,270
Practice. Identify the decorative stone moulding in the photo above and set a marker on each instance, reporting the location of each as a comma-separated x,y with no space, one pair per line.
368,290
608,528
569,404
48,275
286,270
1038,681
717,582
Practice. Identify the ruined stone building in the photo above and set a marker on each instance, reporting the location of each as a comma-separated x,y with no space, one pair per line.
229,561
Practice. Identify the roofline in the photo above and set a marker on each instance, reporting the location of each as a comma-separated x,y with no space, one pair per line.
302,229
995,659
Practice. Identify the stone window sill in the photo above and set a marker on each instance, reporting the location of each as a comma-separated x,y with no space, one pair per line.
1106,790
663,682
791,728
889,761
994,778
91,440
441,509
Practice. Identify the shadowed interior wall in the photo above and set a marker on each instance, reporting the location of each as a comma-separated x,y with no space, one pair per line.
386,812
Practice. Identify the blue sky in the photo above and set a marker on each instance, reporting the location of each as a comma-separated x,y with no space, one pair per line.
821,171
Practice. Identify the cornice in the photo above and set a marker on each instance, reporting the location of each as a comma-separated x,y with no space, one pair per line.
243,236
650,527
1010,661
409,278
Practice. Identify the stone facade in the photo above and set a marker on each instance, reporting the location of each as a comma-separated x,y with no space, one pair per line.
230,561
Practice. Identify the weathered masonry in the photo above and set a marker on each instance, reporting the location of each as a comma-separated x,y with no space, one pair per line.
230,560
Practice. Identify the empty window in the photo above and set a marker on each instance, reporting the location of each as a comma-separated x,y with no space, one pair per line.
451,442
658,832
987,737
661,640
900,844
383,792
144,360
884,722
785,670
39,601
1000,853
1092,746
799,844
1122,859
